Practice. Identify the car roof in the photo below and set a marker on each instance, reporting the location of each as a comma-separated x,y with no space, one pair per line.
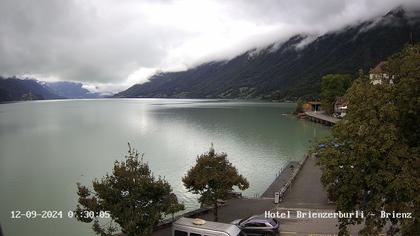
208,225
257,218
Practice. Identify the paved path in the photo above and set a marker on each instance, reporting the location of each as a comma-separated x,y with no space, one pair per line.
307,189
308,194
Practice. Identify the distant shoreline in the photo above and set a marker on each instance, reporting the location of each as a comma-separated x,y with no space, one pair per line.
150,98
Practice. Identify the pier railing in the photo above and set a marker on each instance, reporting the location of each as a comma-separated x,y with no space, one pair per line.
284,179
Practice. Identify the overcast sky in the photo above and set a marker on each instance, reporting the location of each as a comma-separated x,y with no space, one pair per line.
112,44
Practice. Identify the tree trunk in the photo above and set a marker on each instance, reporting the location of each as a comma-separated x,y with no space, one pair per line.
215,211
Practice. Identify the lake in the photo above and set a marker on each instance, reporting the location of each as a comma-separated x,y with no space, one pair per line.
46,147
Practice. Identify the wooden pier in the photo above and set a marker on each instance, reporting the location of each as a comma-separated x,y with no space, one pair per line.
320,117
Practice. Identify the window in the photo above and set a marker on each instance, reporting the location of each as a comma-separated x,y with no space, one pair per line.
272,222
251,225
194,234
180,233
255,224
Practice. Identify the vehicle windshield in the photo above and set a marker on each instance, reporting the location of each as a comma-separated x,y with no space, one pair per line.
244,219
272,222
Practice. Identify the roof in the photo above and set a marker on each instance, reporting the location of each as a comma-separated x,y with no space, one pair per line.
210,225
379,69
341,101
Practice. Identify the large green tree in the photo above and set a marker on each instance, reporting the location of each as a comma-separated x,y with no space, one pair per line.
213,177
132,196
372,160
333,86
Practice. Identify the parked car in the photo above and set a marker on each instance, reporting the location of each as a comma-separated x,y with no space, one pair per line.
258,225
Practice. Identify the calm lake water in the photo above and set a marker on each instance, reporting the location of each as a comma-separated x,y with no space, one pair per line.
46,147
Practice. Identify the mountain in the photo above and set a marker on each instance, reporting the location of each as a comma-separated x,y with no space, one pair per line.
70,90
292,69
14,89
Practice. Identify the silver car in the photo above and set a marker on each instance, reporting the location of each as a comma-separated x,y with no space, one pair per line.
258,225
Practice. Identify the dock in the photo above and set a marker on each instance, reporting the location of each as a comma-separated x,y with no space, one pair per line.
320,117
282,181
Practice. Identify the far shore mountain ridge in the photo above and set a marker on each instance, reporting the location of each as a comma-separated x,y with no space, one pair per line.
16,89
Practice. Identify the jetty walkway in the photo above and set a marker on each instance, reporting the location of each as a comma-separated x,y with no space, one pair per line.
321,117
282,181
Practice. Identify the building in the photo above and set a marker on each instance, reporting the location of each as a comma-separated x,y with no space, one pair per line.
340,107
377,74
312,106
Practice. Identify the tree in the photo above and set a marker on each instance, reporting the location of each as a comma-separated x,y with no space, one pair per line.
213,177
299,106
333,86
174,205
132,196
372,160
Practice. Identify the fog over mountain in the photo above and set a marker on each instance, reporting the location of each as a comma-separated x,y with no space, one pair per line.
68,89
110,45
292,69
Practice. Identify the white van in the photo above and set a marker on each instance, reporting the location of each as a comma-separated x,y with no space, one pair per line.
197,227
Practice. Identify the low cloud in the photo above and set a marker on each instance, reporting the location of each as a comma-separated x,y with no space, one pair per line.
110,44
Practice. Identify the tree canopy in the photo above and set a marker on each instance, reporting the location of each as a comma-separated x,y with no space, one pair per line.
299,106
371,162
213,177
132,196
333,86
